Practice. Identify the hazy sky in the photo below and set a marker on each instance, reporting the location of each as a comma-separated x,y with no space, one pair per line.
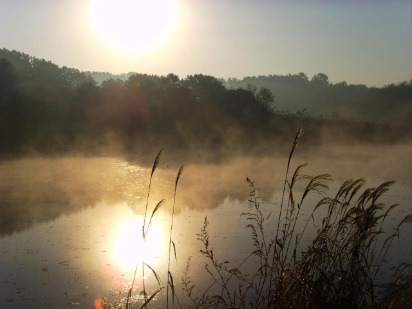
367,42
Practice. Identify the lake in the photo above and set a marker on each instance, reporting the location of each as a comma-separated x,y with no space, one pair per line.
70,228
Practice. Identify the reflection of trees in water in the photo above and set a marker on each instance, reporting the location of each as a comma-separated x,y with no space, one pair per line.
35,191
40,190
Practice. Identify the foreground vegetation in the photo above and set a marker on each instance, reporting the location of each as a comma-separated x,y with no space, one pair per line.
338,267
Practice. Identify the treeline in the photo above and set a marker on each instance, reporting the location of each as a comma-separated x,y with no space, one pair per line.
45,109
318,97
100,77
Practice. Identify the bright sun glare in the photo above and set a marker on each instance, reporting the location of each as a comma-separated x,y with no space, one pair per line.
130,247
134,25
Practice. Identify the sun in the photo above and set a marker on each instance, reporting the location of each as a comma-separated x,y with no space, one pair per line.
133,25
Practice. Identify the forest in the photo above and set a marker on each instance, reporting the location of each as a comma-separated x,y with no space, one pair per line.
50,110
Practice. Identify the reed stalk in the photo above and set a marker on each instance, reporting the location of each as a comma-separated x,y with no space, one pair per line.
336,269
169,275
144,233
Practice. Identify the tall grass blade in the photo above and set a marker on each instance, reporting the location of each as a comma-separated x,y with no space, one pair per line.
160,204
155,165
156,162
295,143
171,284
144,305
179,173
129,296
174,249
171,242
154,273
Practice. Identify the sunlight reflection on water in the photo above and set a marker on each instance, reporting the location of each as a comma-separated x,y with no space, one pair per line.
130,248
79,234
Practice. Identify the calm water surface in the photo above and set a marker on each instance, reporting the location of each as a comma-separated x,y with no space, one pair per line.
70,227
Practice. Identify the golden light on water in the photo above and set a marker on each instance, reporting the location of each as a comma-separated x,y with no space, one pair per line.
130,248
133,25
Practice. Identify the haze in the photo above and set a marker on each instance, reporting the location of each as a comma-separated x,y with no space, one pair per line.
361,42
239,92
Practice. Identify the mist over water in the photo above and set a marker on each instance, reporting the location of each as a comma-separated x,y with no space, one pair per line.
74,178
60,217
38,190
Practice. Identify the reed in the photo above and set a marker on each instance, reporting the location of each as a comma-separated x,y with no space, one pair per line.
336,268
145,229
170,281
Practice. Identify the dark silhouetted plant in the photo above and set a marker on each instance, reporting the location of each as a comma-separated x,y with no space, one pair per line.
336,269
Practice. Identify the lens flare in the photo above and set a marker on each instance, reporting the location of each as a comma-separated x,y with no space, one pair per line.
98,303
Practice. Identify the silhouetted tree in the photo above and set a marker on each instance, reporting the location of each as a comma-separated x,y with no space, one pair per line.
265,97
8,77
320,79
48,109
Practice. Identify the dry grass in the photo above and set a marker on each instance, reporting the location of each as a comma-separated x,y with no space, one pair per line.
337,268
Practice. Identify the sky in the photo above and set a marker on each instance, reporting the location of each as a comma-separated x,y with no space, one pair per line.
360,42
